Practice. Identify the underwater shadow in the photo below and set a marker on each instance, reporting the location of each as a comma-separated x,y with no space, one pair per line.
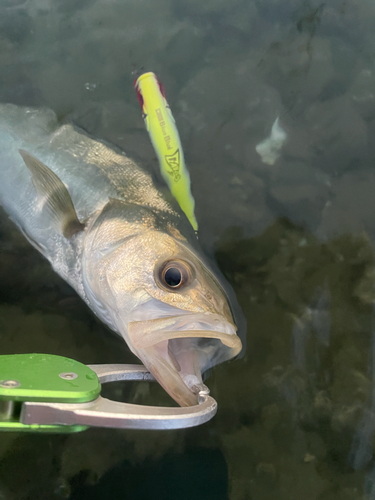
198,473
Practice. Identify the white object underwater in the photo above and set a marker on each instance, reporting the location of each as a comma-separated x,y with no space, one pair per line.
269,149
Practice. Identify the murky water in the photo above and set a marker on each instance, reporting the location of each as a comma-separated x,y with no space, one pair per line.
295,238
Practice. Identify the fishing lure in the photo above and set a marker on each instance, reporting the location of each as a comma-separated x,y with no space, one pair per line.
165,139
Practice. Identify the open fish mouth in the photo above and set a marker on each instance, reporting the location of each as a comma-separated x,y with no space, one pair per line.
178,349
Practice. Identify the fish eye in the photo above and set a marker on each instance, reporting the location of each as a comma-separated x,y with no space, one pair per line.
173,277
175,274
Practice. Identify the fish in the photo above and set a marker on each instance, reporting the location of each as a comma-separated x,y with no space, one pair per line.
122,243
161,126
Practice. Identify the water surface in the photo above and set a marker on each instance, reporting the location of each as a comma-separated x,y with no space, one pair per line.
295,239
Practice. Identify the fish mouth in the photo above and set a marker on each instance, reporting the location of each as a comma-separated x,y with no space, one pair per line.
178,349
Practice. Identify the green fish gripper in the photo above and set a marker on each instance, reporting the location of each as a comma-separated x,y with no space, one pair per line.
43,378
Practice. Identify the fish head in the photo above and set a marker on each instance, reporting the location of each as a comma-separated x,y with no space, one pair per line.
155,289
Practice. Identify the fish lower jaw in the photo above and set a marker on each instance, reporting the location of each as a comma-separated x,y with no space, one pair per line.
165,367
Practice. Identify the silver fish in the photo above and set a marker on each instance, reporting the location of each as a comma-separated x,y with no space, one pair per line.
120,243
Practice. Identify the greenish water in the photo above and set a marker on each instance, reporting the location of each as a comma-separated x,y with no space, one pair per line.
295,239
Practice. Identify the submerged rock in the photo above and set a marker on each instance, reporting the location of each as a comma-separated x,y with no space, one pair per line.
224,121
338,134
300,192
362,92
300,67
351,206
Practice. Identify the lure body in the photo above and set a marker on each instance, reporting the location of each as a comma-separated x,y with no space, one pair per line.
166,141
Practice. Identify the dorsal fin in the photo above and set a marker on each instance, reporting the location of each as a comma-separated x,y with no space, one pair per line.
55,196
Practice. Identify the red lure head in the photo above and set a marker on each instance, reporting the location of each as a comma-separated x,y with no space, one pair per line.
161,87
139,93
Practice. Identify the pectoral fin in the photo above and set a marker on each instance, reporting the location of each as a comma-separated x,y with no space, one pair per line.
54,195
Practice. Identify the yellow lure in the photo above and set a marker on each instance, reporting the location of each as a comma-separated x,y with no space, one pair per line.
164,136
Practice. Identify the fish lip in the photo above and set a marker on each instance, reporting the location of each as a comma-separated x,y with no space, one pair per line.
150,341
143,334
